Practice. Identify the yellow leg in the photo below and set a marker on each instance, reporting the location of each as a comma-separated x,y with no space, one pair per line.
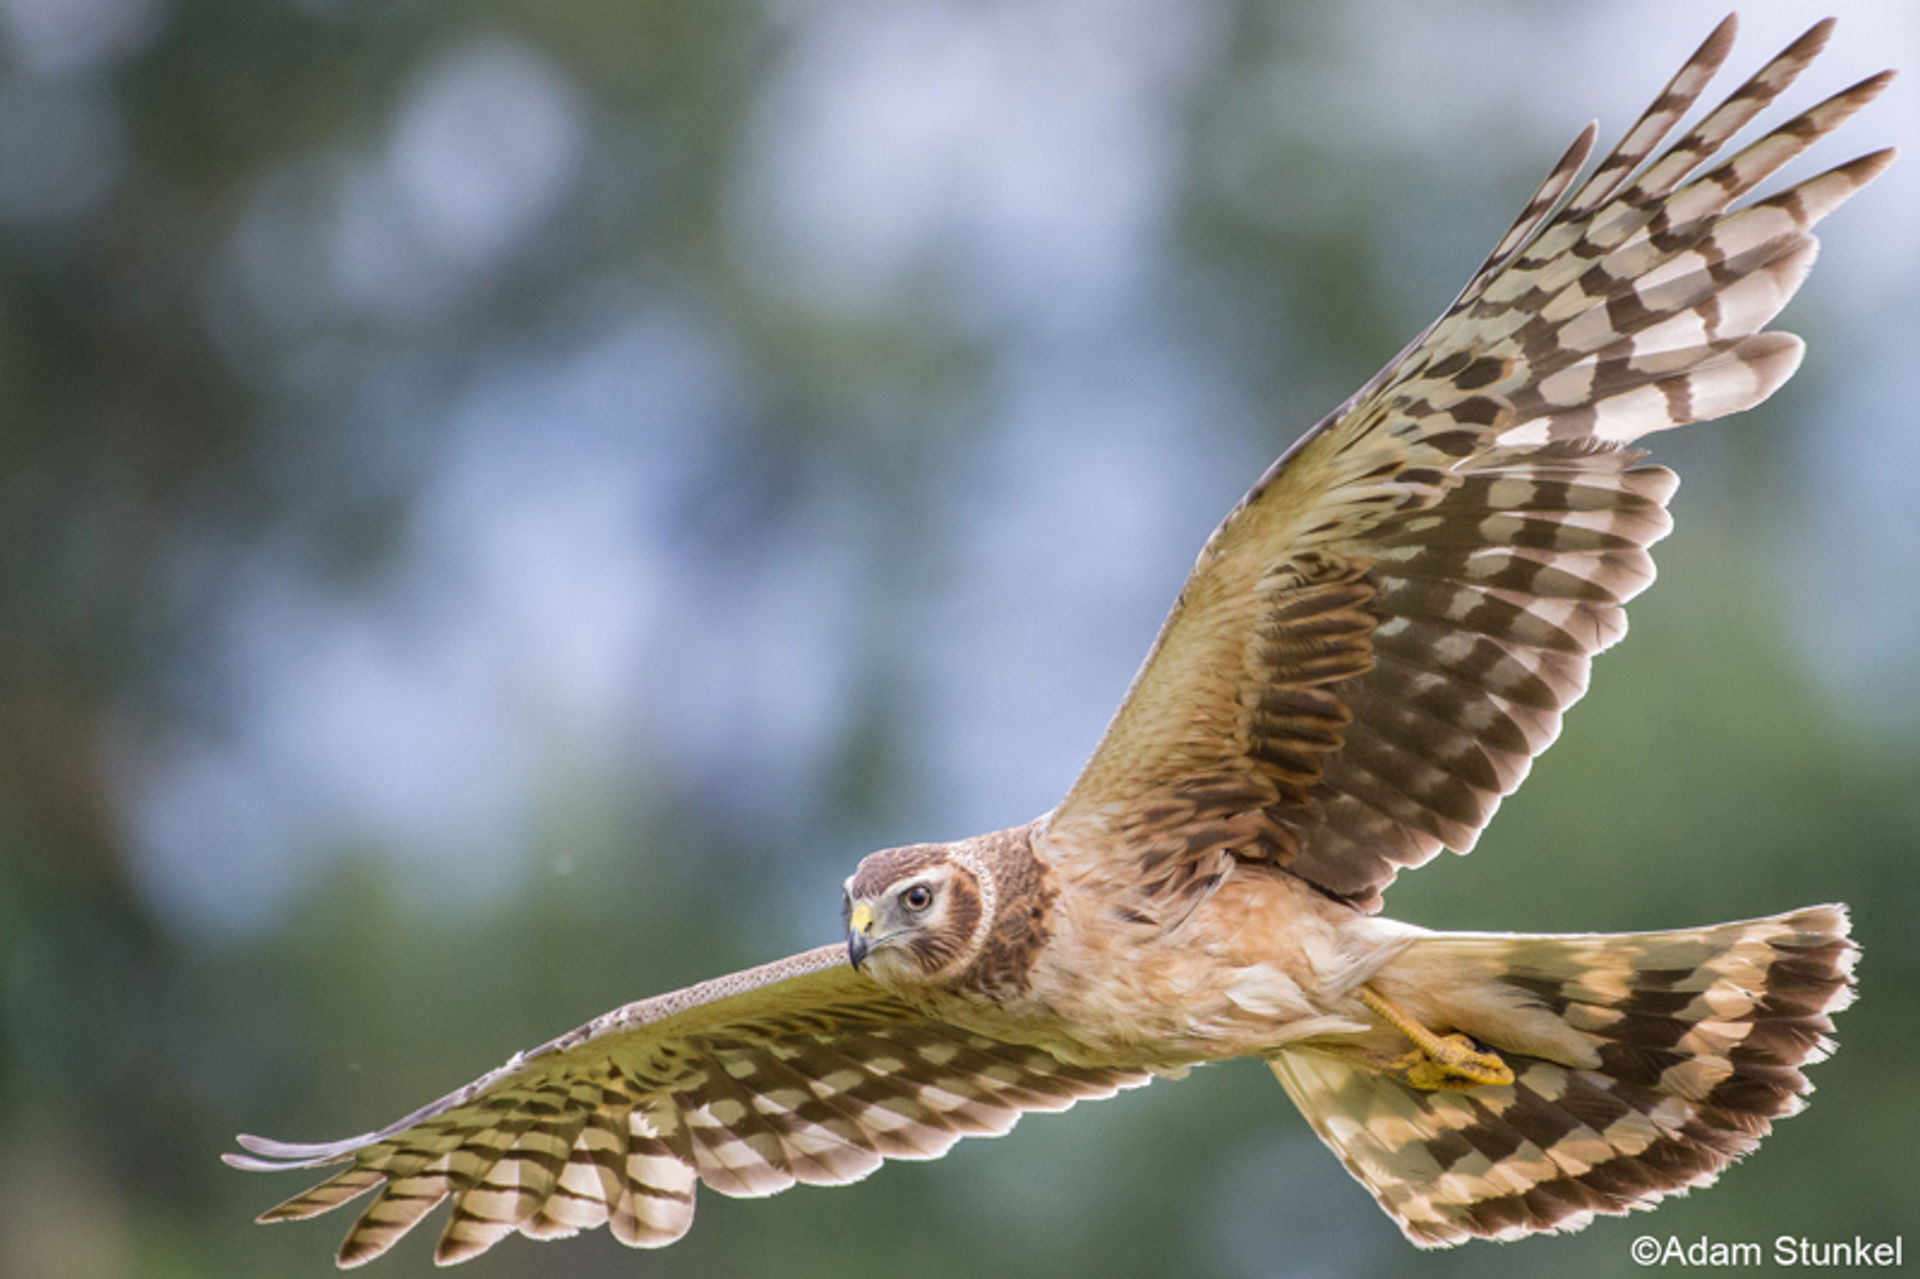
1437,1061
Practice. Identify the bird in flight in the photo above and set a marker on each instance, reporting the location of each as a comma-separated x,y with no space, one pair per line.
1369,653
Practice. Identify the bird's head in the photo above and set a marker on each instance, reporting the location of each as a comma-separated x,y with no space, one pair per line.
916,913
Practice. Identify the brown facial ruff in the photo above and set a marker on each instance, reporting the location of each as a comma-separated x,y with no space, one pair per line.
999,867
940,939
939,946
1023,891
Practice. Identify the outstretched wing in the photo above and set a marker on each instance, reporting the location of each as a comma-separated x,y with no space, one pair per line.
1376,643
800,1070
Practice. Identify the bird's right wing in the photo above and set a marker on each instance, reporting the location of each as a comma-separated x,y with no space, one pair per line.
799,1070
1379,640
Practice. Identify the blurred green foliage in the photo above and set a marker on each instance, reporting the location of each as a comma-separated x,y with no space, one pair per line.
224,360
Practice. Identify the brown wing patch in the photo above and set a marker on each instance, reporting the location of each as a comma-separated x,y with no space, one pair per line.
1311,641
1491,606
1314,635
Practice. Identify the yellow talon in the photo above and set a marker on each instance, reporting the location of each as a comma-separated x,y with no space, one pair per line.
1437,1061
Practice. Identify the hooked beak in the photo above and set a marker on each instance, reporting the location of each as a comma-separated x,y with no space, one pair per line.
859,934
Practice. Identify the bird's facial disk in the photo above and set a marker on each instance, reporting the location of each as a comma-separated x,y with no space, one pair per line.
893,918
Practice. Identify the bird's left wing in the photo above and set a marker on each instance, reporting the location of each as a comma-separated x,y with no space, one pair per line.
1380,638
799,1070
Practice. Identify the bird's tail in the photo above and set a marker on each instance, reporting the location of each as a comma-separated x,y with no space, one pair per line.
1643,1064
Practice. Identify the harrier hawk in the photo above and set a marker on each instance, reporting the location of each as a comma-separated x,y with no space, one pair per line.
1369,653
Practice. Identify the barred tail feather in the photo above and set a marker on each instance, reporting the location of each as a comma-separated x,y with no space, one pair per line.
1644,1064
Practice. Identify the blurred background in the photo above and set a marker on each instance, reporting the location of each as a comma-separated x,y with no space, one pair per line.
504,504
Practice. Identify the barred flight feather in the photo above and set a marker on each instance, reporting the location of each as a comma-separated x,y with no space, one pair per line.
1478,489
618,1122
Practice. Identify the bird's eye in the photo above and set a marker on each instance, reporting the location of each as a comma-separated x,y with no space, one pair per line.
919,897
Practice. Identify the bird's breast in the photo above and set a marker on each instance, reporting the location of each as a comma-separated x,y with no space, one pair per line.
1264,961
